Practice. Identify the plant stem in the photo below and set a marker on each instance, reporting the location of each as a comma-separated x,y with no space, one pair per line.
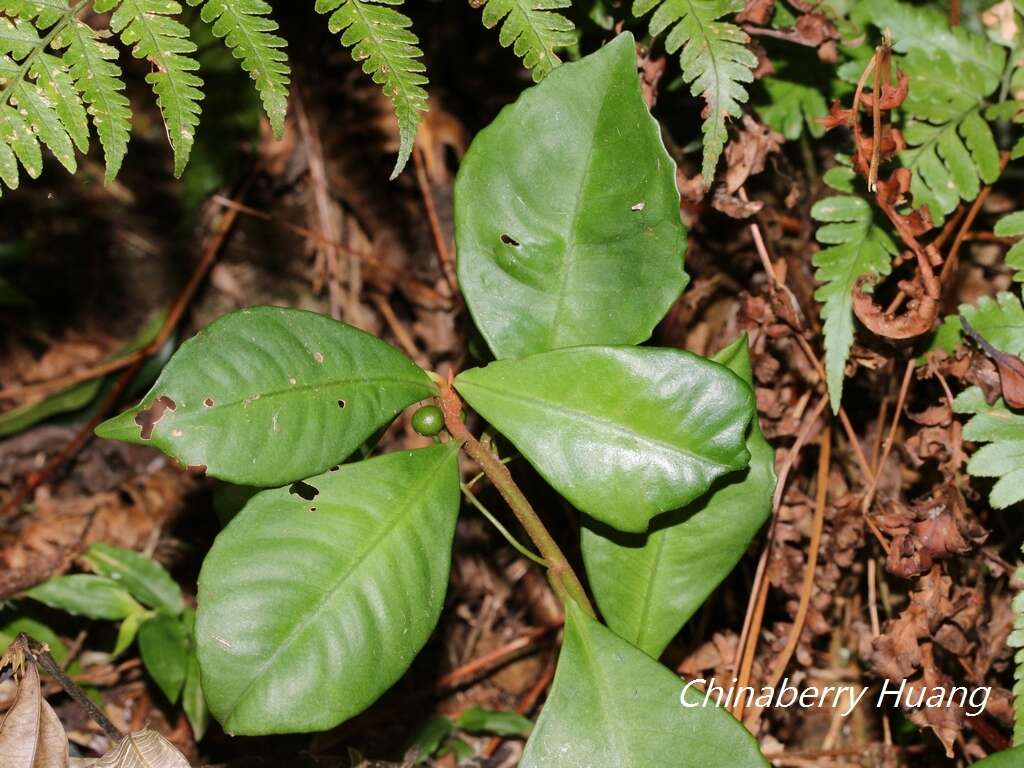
41,656
563,578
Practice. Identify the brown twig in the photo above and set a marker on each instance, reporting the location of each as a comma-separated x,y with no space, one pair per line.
821,497
40,654
491,658
440,244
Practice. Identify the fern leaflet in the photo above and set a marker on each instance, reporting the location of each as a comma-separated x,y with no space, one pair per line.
148,26
1000,322
856,247
381,38
38,102
1016,640
533,29
93,67
714,59
1012,225
247,29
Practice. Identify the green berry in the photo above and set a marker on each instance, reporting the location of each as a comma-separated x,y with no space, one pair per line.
428,420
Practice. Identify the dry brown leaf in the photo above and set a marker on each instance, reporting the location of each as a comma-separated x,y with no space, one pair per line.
31,734
141,749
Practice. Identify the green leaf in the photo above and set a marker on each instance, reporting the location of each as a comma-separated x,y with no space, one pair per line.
95,597
1009,758
430,737
1000,321
144,578
10,628
128,630
715,61
856,247
624,433
1003,456
1012,225
612,706
790,105
479,720
267,396
533,28
576,238
648,585
55,82
1016,640
310,610
71,399
193,701
149,27
93,67
381,38
165,649
250,33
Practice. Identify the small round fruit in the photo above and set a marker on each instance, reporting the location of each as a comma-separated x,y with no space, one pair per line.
428,421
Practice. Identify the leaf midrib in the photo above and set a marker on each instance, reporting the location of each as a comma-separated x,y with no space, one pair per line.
409,500
292,389
599,422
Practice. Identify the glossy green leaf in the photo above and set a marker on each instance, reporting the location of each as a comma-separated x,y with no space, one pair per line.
648,585
165,649
144,578
624,433
81,594
612,706
267,396
309,610
567,214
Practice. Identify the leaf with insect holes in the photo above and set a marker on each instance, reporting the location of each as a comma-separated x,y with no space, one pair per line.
613,706
624,433
647,585
311,609
267,396
567,213
31,734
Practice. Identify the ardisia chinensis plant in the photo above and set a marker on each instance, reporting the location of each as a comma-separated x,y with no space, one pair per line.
317,596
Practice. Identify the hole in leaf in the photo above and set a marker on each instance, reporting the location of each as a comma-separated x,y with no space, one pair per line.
208,402
148,419
304,490
312,509
335,468
342,403
509,240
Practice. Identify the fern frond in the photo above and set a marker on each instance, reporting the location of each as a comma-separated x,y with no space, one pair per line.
951,148
38,101
533,29
381,38
149,28
92,65
714,59
247,29
790,105
1000,322
856,247
952,73
1012,225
